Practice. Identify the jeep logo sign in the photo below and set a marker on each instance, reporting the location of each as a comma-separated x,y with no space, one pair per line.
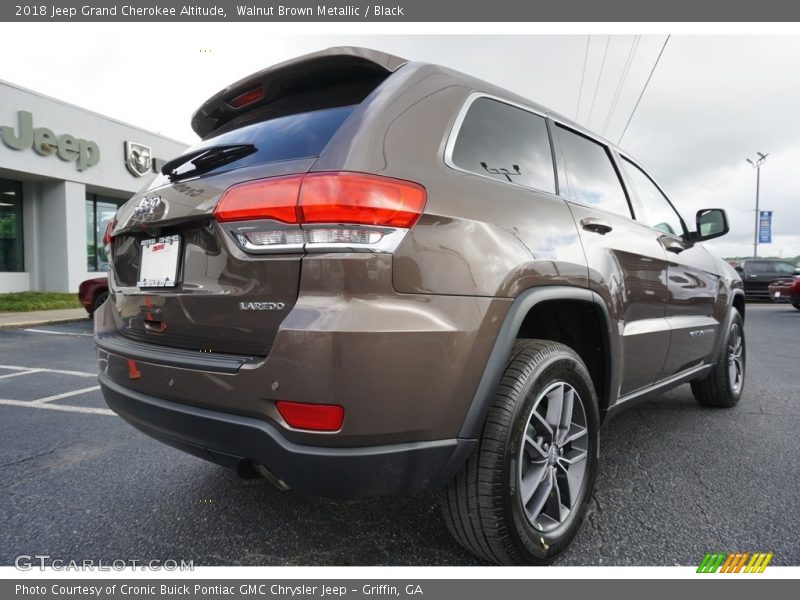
69,148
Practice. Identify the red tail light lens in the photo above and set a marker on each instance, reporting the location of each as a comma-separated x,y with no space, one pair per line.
274,198
360,199
314,417
321,212
109,228
352,198
246,98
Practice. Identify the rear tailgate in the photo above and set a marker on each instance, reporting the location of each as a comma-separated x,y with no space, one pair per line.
219,296
219,302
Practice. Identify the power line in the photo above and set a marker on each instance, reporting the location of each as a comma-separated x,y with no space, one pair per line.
625,70
583,76
599,77
653,70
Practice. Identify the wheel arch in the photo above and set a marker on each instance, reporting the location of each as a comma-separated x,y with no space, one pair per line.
532,314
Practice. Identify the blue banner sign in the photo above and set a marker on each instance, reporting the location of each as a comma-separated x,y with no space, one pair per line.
765,227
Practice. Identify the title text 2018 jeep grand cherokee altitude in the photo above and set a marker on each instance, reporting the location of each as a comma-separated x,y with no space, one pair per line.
376,276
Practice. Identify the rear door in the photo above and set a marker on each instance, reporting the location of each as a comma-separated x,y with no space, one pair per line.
627,264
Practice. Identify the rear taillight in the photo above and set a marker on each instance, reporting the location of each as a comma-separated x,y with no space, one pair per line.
314,417
108,239
274,198
321,212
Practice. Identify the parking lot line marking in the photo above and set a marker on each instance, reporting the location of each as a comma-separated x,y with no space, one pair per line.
59,332
65,395
43,370
18,373
61,407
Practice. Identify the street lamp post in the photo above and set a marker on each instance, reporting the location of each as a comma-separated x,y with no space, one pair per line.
756,164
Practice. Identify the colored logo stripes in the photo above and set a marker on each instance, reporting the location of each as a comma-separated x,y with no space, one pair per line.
734,562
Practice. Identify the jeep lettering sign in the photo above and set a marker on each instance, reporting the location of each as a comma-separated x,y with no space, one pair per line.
44,141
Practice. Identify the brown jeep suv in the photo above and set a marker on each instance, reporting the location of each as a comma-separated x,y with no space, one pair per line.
375,276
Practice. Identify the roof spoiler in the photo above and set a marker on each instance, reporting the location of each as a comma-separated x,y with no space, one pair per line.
329,78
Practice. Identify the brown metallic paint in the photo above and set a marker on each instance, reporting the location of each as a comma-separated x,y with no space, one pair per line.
401,340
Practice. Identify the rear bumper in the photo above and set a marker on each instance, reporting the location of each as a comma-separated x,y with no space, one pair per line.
786,296
235,441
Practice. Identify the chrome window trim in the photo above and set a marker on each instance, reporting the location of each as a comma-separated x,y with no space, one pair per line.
560,121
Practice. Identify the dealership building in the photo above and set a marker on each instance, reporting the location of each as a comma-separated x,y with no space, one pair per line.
64,171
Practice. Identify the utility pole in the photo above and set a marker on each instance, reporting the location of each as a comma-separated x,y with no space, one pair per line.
757,166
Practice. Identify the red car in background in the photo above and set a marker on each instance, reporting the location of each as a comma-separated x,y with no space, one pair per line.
92,293
786,289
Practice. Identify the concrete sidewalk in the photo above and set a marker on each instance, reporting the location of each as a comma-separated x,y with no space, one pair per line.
41,317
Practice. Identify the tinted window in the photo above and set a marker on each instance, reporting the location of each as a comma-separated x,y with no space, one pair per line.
656,210
10,225
768,267
295,136
588,174
506,143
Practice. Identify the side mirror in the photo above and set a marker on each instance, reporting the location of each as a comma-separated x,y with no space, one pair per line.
711,223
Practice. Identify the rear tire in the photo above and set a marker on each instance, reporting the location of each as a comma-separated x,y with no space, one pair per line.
523,493
796,305
722,387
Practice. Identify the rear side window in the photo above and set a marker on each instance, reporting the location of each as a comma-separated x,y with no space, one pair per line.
301,135
588,176
506,143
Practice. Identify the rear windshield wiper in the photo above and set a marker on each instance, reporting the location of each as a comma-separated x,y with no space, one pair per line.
205,159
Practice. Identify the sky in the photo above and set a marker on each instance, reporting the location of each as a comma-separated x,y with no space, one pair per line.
712,101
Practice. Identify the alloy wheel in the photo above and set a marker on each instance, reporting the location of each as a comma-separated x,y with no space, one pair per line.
553,456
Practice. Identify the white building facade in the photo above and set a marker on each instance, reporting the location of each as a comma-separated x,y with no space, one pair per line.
63,173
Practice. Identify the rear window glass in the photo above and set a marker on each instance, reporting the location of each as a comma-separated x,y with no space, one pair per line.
300,135
506,143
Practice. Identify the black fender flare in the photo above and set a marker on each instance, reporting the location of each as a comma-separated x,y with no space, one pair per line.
723,333
504,342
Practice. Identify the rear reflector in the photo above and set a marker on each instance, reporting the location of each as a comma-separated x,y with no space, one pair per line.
248,97
314,417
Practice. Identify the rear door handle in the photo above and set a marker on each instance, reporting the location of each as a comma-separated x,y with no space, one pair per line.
595,225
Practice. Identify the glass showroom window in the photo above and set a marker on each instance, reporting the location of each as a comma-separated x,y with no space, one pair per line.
99,209
10,226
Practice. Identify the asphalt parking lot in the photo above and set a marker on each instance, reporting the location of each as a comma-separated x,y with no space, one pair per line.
676,480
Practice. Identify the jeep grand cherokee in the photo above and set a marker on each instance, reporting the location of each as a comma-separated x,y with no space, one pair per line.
375,276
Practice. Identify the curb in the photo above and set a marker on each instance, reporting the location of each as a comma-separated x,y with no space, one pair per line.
43,322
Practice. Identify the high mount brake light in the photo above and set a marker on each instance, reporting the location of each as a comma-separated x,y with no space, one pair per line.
247,97
321,211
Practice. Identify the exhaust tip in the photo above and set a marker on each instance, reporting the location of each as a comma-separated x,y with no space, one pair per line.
265,473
